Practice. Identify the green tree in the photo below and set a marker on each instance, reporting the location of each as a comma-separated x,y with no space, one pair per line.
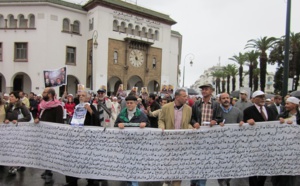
232,71
295,62
241,60
224,75
262,45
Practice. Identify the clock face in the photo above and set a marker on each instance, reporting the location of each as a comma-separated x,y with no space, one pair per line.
136,58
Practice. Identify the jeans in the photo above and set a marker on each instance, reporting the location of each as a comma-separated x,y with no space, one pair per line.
132,183
198,182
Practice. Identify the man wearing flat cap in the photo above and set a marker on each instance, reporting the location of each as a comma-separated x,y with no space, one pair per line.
243,102
132,116
258,113
203,112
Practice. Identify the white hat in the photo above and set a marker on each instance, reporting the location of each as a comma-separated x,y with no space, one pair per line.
70,95
39,95
257,93
243,92
115,98
6,94
293,100
268,99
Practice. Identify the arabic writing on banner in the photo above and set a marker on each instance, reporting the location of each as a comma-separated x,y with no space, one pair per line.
150,155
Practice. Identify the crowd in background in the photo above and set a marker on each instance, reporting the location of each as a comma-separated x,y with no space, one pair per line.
152,110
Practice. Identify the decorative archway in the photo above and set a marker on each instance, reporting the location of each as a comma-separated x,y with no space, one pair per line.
153,86
2,83
21,82
113,85
135,81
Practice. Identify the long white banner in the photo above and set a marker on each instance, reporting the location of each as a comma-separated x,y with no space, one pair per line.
150,155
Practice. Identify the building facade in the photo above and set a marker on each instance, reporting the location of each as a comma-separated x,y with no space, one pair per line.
104,42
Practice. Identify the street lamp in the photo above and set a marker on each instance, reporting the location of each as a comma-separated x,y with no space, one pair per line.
95,44
191,57
286,50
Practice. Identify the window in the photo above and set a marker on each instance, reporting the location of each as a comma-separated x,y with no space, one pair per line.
115,26
2,21
150,34
91,24
137,31
1,52
156,35
22,22
129,29
154,63
143,34
66,25
31,21
71,55
115,57
21,51
122,28
12,22
76,27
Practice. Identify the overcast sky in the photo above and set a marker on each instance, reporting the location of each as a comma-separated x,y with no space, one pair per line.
221,28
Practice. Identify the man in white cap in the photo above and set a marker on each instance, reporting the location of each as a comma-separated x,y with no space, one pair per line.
290,116
292,112
243,102
258,113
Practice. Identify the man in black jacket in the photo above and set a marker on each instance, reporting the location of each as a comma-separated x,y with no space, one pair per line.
153,105
258,113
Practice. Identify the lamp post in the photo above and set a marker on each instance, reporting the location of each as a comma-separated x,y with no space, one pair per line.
191,57
287,49
94,46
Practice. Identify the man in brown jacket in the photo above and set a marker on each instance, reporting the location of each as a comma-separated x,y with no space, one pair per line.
176,115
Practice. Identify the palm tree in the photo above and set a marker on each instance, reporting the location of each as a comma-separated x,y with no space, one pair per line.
227,74
224,75
294,65
217,74
240,59
256,72
251,57
231,70
262,45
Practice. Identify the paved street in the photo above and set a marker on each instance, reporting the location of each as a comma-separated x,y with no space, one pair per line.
31,177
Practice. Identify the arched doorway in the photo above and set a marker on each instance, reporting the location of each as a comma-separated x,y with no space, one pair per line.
135,81
153,86
71,88
21,82
113,85
2,84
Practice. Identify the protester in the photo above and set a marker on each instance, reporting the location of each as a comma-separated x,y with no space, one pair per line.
69,106
51,110
16,112
115,110
226,113
103,106
91,119
33,104
276,106
152,105
2,109
258,113
176,115
131,116
243,102
24,99
157,113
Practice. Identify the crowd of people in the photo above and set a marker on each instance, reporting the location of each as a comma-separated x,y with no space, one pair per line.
179,111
